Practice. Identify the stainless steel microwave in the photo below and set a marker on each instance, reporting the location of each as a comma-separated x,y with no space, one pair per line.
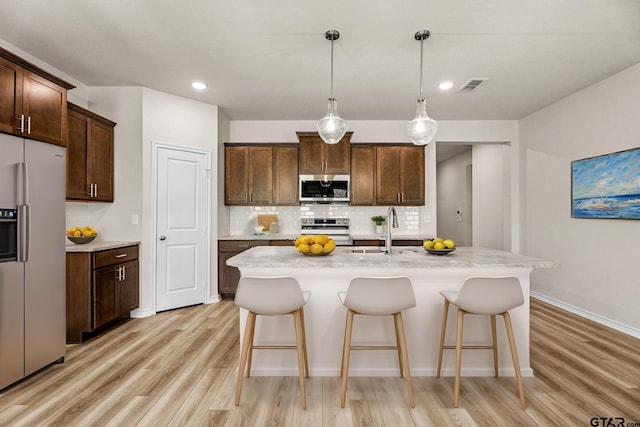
324,188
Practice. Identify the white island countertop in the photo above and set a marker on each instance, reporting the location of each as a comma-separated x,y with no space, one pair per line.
402,257
325,276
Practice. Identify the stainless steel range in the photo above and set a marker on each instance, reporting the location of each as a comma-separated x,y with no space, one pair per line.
336,228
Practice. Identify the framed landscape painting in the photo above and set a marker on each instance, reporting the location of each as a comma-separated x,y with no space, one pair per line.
606,186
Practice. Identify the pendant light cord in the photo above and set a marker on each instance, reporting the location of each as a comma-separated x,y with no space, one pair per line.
331,96
421,54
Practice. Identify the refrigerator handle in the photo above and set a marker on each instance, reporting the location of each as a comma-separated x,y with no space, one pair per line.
24,230
23,184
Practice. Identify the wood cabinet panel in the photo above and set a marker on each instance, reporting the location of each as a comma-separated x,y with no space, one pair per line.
317,157
387,171
363,172
248,175
44,103
33,103
261,175
400,175
10,95
285,171
90,155
101,287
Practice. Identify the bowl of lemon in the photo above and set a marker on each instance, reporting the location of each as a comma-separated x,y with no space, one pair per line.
439,246
316,245
81,235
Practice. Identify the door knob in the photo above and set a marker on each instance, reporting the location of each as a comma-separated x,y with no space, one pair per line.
163,237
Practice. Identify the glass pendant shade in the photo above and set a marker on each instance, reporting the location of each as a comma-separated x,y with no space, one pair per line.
422,128
332,127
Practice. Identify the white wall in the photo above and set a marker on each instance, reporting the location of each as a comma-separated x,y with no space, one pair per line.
599,270
452,196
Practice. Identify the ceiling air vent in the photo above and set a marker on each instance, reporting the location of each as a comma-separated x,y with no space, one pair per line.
472,85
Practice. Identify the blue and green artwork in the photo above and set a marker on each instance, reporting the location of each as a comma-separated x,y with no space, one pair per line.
606,186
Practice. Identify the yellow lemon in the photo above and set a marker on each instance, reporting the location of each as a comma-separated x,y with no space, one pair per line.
450,244
86,233
307,240
316,248
77,233
438,240
321,240
329,246
303,248
428,244
298,240
438,246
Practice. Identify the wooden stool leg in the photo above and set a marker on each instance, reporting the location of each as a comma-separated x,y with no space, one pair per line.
514,356
345,343
297,319
445,312
495,344
400,359
248,331
345,356
402,345
456,394
250,355
304,344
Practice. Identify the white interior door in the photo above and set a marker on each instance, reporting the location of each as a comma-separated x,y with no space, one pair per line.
182,215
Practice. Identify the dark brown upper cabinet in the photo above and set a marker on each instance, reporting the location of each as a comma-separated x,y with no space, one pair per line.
319,158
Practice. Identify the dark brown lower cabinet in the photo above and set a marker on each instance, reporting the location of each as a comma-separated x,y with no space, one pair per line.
102,286
228,276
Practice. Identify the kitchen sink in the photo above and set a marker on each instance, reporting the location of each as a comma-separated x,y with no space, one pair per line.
367,251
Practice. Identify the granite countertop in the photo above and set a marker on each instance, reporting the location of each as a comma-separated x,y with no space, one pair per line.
403,257
284,236
96,246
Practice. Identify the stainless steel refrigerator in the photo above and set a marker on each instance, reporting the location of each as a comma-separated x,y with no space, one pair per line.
32,257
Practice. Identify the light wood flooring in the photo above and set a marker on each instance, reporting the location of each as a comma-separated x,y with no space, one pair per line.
178,368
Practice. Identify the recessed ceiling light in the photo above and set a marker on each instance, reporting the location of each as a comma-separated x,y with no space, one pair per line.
199,85
445,85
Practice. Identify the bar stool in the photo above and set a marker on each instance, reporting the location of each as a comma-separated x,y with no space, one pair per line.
272,296
490,296
378,296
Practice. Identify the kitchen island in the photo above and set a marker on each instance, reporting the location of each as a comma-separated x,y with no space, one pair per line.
325,316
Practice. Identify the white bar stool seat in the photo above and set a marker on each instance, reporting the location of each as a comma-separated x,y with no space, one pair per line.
489,296
272,296
378,296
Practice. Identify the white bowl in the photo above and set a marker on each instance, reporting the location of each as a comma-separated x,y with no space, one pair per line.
258,229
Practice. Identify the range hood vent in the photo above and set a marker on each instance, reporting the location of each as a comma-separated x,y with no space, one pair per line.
472,85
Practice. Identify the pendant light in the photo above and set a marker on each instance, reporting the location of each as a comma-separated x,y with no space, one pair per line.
332,127
422,128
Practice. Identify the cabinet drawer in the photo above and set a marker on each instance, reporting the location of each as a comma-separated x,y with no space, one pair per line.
114,256
239,245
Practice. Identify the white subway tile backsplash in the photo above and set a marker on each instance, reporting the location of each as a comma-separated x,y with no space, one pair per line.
244,218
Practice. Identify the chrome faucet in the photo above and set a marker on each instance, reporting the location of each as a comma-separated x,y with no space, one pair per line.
392,221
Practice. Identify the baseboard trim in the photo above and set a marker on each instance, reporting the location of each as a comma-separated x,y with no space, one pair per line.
140,313
213,299
620,327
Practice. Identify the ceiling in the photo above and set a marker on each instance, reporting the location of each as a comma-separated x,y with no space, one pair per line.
269,60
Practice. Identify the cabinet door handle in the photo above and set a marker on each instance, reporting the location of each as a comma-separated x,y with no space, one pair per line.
29,125
21,120
124,272
121,255
95,191
118,274
401,197
250,197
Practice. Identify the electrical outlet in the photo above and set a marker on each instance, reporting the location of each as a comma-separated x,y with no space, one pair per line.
135,219
459,216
